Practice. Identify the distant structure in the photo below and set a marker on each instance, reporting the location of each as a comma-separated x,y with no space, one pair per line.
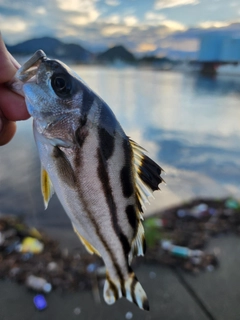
216,49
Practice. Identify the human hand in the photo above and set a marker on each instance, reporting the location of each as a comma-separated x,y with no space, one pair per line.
12,105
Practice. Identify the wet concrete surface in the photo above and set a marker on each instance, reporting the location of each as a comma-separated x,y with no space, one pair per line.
168,300
172,294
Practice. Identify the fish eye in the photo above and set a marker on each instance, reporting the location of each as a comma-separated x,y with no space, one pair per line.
61,85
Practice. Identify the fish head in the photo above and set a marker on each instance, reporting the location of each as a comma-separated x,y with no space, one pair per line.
51,89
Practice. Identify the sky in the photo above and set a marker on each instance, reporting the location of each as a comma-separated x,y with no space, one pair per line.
143,26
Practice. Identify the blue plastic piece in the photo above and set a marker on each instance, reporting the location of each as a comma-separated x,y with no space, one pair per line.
40,302
180,251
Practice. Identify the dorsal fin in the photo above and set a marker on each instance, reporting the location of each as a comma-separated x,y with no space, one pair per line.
46,187
86,244
138,246
147,175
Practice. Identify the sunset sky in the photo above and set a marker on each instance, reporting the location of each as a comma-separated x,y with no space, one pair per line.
140,25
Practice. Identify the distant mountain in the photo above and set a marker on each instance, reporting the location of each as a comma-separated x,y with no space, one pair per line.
153,60
53,48
117,53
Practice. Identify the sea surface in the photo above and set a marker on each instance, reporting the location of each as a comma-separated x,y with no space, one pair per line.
188,123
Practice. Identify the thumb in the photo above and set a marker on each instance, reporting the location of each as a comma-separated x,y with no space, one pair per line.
7,68
7,130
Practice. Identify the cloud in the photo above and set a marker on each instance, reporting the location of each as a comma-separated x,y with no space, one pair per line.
103,23
115,30
130,21
146,47
212,24
113,3
84,18
160,4
174,25
153,18
13,25
113,19
79,12
40,10
76,5
180,44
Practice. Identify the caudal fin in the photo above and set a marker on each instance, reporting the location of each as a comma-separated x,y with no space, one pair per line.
131,289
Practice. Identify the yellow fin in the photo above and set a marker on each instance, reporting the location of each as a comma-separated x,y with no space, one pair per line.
46,187
147,174
87,245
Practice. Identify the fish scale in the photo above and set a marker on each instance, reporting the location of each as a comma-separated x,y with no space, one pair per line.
102,178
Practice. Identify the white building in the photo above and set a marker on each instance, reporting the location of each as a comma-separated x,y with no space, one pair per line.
219,48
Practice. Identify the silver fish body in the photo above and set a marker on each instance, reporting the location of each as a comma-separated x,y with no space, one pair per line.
100,176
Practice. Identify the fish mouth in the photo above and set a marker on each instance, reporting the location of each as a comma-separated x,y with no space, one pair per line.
28,71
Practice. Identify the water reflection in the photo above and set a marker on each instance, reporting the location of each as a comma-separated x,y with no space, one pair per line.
189,124
219,85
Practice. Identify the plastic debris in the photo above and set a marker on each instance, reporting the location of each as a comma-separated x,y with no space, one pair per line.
26,256
128,315
40,302
32,245
210,268
152,275
2,238
58,267
200,210
91,267
187,229
181,213
38,284
77,311
232,204
179,251
52,266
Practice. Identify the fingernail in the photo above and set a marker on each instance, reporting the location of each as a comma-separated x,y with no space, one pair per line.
1,125
14,61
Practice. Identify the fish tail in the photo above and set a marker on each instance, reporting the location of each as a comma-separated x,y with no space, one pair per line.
131,289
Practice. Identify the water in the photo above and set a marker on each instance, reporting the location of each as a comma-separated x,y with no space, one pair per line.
189,124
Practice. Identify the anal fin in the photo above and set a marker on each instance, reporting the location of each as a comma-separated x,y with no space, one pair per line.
86,244
46,187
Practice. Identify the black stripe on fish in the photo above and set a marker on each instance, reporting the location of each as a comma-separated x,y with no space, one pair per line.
97,230
103,176
107,117
132,288
126,173
87,101
150,172
132,216
106,143
64,167
138,203
112,286
102,239
145,305
144,246
82,132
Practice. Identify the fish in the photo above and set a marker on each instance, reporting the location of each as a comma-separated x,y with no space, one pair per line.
102,178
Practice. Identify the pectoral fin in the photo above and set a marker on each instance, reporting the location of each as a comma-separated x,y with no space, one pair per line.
46,187
86,244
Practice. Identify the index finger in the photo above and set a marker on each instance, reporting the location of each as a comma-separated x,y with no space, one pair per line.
12,105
